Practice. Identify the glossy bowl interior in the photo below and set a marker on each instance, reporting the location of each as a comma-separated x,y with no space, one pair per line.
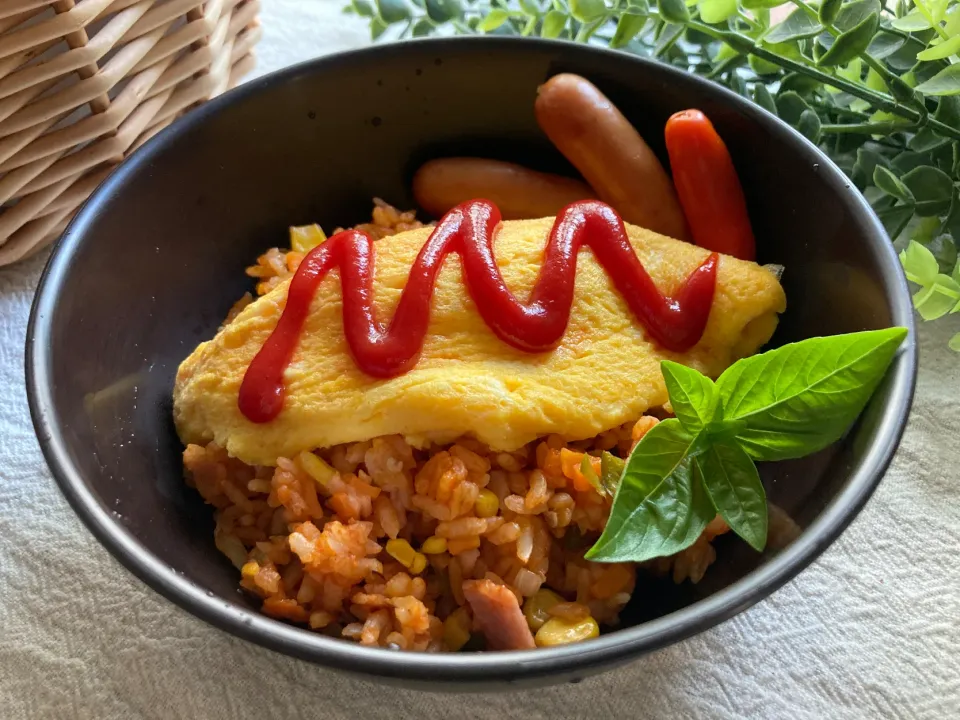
152,263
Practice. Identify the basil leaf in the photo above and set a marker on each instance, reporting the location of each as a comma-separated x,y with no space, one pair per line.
797,399
660,507
692,395
734,487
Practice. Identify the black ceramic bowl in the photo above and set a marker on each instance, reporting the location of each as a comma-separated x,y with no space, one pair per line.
154,260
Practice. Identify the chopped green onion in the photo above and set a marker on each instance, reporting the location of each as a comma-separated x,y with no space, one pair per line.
611,469
586,467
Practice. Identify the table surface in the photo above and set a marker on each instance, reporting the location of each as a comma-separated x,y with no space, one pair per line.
871,630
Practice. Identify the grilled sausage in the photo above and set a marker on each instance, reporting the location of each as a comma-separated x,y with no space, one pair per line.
519,192
610,154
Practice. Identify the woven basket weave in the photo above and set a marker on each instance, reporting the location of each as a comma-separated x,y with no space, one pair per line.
83,83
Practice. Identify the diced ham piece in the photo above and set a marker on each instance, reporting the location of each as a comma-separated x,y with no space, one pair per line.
498,615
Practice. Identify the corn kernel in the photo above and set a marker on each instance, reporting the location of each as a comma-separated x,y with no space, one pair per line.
456,629
434,545
401,551
536,607
419,564
487,504
557,631
250,569
316,468
306,237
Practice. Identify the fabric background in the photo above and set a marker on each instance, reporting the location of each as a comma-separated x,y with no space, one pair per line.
871,630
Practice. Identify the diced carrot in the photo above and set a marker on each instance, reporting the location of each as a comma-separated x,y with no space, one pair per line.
285,608
570,462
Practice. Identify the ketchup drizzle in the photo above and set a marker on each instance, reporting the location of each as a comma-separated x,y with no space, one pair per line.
384,351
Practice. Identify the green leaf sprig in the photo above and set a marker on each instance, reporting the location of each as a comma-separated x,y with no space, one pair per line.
781,404
939,293
876,85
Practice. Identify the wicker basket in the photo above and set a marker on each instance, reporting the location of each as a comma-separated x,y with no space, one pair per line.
83,83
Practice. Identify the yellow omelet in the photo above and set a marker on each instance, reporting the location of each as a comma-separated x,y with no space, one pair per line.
605,372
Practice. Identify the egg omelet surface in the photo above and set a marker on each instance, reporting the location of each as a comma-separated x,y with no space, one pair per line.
605,372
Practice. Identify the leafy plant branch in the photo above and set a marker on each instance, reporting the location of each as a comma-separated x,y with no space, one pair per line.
874,83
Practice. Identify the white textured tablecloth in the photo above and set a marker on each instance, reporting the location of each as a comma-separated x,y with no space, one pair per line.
871,630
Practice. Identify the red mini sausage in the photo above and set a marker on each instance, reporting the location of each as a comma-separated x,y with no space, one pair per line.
708,186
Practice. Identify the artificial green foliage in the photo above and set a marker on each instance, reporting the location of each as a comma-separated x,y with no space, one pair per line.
939,293
876,86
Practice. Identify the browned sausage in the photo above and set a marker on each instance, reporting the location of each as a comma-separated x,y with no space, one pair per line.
519,192
610,154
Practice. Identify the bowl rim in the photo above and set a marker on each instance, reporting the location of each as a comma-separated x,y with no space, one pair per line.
512,666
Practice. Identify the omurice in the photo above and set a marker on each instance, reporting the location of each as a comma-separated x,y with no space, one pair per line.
466,381
414,434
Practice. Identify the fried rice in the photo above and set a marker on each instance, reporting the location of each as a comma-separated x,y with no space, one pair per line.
376,541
